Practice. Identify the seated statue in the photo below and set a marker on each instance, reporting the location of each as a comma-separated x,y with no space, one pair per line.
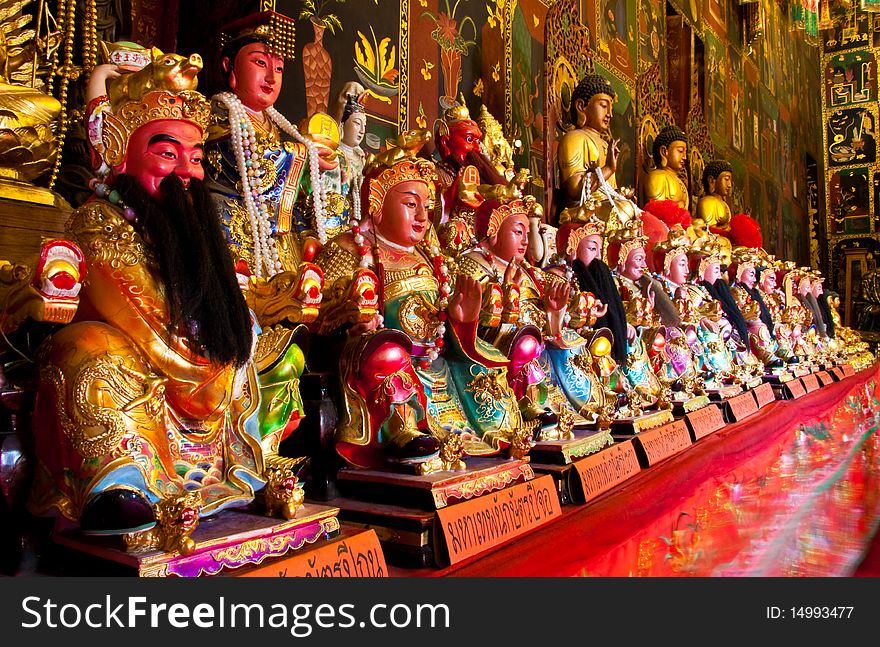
414,374
783,330
467,176
550,365
851,347
712,208
586,147
352,128
743,276
647,357
814,335
148,401
663,182
583,246
248,146
702,316
251,143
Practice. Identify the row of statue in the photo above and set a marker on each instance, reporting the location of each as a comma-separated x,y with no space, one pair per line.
459,321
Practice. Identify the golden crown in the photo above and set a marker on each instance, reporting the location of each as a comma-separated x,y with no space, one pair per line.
629,238
405,170
276,30
744,258
592,228
713,257
520,206
186,105
677,242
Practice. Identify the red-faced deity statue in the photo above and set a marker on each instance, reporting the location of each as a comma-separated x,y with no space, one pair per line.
160,148
255,76
463,138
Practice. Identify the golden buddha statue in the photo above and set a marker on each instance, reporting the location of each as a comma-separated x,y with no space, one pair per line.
586,146
712,207
663,182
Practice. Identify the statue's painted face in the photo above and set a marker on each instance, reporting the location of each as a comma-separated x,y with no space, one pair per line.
404,216
676,154
256,76
512,239
817,289
748,277
768,282
354,128
159,148
723,184
804,287
678,269
589,249
712,272
635,264
597,113
463,138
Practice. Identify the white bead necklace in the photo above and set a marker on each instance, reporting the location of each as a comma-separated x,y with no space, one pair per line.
244,146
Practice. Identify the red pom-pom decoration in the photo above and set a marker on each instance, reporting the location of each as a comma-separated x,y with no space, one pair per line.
745,231
669,212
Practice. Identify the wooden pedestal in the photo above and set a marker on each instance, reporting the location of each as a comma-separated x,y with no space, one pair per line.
433,491
623,427
226,542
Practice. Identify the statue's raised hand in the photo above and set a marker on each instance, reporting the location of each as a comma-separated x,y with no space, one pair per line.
464,304
613,154
556,296
512,275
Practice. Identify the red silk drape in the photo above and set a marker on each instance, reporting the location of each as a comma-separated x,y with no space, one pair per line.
792,490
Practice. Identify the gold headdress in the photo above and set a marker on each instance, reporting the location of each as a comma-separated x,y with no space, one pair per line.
382,179
594,227
498,148
713,257
455,114
742,259
501,212
276,30
623,241
186,105
677,243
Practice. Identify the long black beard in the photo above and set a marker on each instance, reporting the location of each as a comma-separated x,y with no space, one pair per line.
195,267
721,290
826,313
813,305
597,278
765,312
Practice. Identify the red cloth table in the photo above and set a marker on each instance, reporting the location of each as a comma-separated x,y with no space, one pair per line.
792,490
